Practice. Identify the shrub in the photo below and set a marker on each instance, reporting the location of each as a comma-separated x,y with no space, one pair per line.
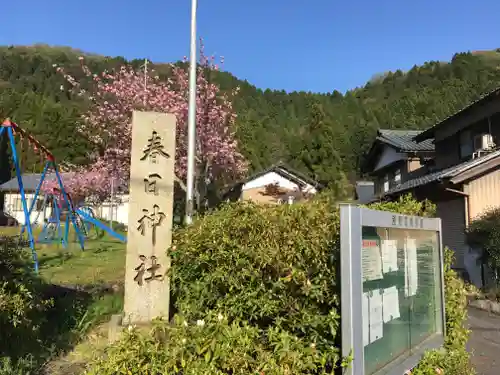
484,233
22,306
37,320
212,346
256,292
407,205
271,273
267,266
454,359
20,367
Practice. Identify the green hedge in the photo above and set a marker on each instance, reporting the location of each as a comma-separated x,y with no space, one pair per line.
454,359
38,321
22,307
484,233
256,292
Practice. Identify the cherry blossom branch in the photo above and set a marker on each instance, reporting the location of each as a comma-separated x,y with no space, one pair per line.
113,97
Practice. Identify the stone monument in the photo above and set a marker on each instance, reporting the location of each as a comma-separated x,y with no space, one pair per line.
147,288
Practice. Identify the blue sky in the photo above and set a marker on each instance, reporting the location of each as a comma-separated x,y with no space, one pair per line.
315,45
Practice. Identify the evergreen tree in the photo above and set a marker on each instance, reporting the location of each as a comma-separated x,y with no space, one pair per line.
325,135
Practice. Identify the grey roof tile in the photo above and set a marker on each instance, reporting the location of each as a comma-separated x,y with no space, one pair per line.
404,140
30,181
444,173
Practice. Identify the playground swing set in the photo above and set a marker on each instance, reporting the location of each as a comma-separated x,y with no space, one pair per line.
52,230
81,218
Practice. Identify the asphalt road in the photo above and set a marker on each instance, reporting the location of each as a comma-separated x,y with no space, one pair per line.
484,341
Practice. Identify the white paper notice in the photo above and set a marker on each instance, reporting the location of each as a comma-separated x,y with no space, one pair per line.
389,255
366,320
390,301
376,316
411,270
371,260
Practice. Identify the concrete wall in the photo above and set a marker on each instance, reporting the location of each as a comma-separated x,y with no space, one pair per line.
13,206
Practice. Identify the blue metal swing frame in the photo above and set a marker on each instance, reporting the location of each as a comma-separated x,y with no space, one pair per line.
7,126
55,218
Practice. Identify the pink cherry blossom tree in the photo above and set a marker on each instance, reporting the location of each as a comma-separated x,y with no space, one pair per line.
107,125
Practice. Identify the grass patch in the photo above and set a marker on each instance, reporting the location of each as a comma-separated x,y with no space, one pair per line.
74,325
102,261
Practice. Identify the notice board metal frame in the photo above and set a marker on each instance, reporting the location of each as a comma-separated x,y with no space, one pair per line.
352,220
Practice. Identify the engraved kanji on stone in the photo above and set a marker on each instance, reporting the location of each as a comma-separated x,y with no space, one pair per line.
152,270
155,266
140,269
154,148
153,220
150,185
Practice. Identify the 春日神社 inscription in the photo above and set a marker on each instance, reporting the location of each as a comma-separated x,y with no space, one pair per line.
150,185
154,149
147,287
151,219
152,271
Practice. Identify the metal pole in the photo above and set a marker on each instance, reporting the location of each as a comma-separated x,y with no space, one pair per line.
191,152
111,201
145,82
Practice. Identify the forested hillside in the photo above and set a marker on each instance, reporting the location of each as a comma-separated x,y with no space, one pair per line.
323,134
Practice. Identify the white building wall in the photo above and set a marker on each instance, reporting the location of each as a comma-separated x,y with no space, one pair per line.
275,178
389,156
13,206
118,211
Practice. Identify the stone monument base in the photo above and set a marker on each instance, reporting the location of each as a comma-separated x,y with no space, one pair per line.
115,328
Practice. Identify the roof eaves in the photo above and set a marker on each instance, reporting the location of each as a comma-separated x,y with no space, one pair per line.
294,173
443,174
429,133
460,168
368,161
425,135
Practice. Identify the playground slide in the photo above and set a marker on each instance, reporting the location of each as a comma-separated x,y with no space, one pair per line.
85,216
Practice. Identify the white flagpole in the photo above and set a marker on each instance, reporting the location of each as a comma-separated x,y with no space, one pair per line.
191,148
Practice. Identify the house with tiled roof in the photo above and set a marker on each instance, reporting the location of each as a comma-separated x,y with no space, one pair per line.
395,157
464,179
277,184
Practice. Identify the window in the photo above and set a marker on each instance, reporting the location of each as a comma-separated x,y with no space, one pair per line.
386,184
18,206
397,177
466,144
39,204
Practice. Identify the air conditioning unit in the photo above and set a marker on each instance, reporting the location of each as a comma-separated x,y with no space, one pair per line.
483,142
